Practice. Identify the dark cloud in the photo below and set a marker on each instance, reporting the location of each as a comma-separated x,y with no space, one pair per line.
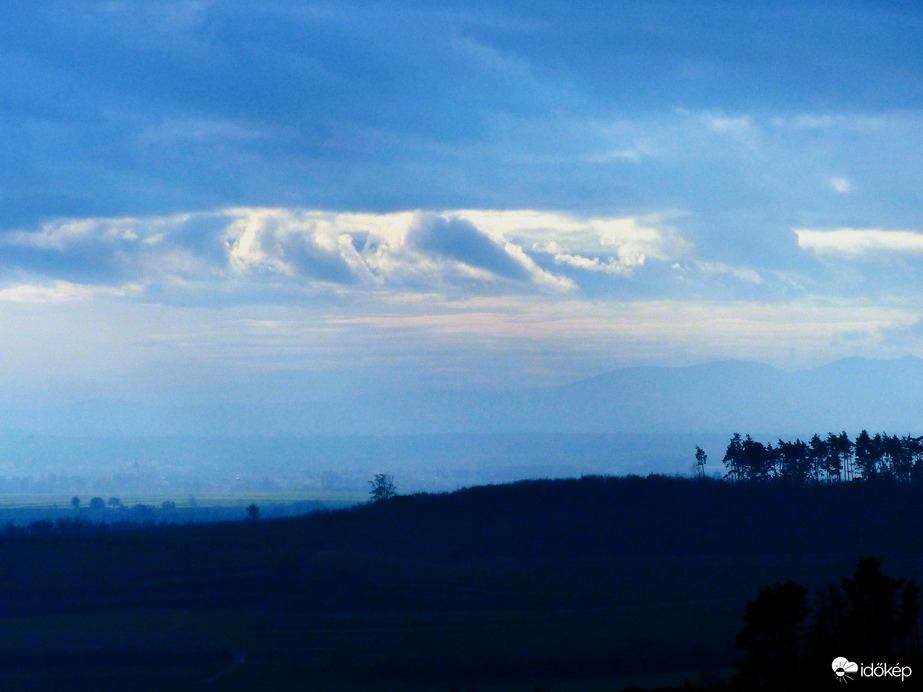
78,265
203,235
301,252
149,108
82,257
460,240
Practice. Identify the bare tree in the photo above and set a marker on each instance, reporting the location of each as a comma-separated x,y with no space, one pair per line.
382,487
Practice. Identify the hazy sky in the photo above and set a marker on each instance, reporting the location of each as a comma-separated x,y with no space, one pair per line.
279,199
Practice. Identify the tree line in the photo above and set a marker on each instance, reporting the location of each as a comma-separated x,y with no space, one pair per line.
829,459
871,616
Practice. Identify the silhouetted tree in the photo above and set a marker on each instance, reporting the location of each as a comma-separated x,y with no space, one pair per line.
871,616
817,456
97,504
891,456
41,527
832,459
757,466
734,459
253,513
828,629
880,614
793,461
911,447
878,445
382,487
916,453
908,623
839,454
867,455
772,640
143,512
701,458
75,502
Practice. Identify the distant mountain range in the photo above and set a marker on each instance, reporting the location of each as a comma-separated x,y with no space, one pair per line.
718,397
848,394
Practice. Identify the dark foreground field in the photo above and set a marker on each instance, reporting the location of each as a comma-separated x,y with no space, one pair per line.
575,585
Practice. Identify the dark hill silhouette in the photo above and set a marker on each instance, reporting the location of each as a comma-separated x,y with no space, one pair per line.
617,516
536,579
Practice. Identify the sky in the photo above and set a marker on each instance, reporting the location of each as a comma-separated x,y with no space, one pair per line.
261,202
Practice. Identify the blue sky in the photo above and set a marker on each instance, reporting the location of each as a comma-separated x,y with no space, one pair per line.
211,201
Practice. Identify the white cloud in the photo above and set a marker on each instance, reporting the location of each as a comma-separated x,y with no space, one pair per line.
60,292
842,122
64,235
600,244
621,265
288,243
742,129
855,242
294,249
743,273
789,334
806,121
841,185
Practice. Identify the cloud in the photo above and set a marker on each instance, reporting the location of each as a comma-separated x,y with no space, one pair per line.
742,273
610,266
282,242
853,242
787,333
147,107
109,251
263,255
841,185
252,251
561,163
843,122
379,250
740,128
442,250
903,333
621,265
259,255
458,239
616,246
246,253
59,292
